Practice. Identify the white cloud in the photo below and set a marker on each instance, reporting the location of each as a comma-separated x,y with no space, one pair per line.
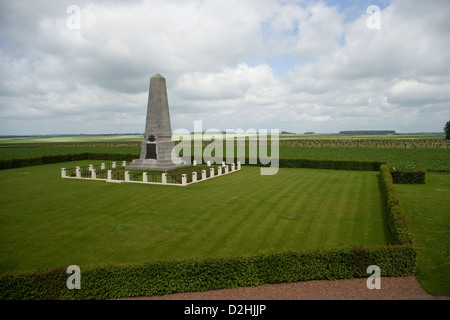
320,32
218,58
414,92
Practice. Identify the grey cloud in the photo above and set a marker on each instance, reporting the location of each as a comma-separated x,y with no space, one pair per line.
214,57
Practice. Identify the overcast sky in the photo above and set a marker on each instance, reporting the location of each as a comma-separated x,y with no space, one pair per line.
298,66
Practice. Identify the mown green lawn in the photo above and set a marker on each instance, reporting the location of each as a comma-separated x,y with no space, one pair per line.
46,221
427,208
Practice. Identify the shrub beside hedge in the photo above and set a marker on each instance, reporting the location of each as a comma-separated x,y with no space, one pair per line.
165,277
409,177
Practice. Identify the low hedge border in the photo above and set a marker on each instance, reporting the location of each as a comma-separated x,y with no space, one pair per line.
283,163
19,163
357,165
415,176
165,277
398,226
331,164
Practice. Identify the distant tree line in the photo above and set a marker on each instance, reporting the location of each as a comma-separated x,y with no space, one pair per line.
368,132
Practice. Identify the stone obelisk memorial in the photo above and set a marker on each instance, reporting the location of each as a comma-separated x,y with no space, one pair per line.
156,149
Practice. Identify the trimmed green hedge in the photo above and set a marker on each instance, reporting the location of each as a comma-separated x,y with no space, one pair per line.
283,163
357,165
416,176
398,226
165,277
18,163
331,164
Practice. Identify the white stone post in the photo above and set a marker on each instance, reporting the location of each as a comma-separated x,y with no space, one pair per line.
164,178
194,163
124,163
94,174
113,164
203,174
219,171
208,163
239,165
223,164
211,172
184,179
232,167
109,174
127,176
226,170
78,172
194,176
91,167
102,166
63,172
144,177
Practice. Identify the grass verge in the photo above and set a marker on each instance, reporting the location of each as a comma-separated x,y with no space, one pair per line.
426,207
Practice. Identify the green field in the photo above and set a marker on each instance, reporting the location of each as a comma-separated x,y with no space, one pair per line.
431,159
47,221
429,151
137,137
23,151
71,139
427,208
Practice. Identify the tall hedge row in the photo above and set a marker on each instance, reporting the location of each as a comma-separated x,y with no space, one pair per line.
165,277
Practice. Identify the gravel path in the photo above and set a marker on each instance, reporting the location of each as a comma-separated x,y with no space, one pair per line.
398,288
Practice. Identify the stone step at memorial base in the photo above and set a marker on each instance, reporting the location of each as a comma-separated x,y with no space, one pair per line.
152,164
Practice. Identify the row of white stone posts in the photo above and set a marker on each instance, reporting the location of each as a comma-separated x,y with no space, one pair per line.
221,170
